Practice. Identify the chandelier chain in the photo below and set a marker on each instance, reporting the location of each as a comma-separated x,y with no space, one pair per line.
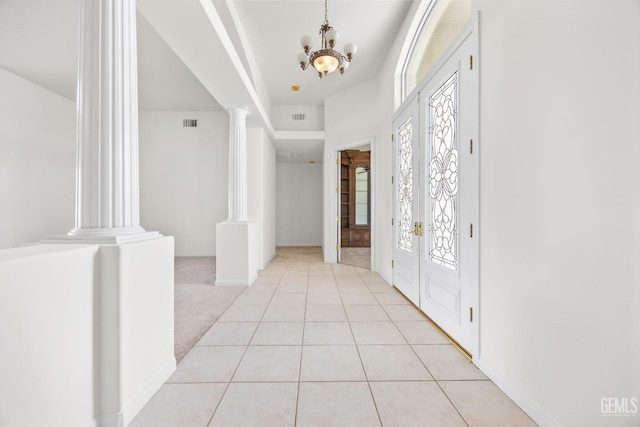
326,21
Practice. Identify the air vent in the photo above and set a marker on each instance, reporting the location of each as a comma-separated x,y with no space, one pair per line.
189,123
299,116
283,156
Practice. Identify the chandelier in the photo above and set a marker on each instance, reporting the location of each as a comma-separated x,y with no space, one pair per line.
325,60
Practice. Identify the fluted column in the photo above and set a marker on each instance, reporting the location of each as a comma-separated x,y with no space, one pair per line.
107,192
236,237
237,164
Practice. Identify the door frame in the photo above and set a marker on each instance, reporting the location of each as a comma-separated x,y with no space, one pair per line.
335,205
470,30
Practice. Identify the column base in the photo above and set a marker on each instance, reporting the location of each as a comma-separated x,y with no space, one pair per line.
103,236
236,253
136,325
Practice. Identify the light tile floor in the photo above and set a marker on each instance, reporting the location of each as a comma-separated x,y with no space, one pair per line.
312,344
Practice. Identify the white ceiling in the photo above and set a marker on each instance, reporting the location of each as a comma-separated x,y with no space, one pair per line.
38,41
274,29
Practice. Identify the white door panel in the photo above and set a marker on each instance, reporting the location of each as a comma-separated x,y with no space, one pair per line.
448,254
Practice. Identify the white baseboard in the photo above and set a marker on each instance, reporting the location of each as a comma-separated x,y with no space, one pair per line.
110,420
154,385
299,245
531,409
268,260
389,280
195,254
236,282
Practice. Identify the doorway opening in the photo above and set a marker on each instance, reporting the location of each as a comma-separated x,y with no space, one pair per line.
354,206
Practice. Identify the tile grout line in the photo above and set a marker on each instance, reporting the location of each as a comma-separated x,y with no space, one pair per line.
364,371
304,323
425,365
241,357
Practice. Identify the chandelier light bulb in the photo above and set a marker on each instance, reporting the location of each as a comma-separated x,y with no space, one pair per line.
332,37
306,42
302,58
343,66
350,49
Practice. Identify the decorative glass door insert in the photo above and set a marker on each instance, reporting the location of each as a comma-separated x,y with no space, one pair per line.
443,174
405,186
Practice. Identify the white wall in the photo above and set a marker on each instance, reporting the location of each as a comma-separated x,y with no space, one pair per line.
91,333
37,162
183,177
48,336
299,204
261,192
560,239
136,325
559,174
351,118
363,114
269,201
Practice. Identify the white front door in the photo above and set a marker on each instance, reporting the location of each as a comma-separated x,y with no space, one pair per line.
449,196
406,244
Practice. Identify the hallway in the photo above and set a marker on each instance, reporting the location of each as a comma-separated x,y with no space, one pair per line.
314,344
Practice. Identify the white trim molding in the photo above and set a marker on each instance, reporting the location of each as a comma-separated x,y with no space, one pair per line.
531,409
145,395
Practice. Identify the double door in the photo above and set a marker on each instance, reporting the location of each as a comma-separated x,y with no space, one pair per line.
435,244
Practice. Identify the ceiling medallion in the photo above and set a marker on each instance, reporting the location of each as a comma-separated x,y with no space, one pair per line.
325,60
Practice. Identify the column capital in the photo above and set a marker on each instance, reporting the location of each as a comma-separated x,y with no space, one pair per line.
237,110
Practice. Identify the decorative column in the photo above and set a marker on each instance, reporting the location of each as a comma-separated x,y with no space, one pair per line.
236,253
237,164
132,356
107,194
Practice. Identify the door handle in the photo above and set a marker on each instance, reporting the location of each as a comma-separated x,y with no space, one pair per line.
417,229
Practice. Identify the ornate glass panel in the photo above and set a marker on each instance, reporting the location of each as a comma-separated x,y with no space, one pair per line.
443,174
405,185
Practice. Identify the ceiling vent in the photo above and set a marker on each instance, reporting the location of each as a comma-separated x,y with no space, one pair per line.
283,156
299,116
189,123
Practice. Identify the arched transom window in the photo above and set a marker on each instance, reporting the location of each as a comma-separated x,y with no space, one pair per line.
440,23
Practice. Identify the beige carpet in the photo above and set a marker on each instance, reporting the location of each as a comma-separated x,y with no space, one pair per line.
198,303
357,257
298,254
